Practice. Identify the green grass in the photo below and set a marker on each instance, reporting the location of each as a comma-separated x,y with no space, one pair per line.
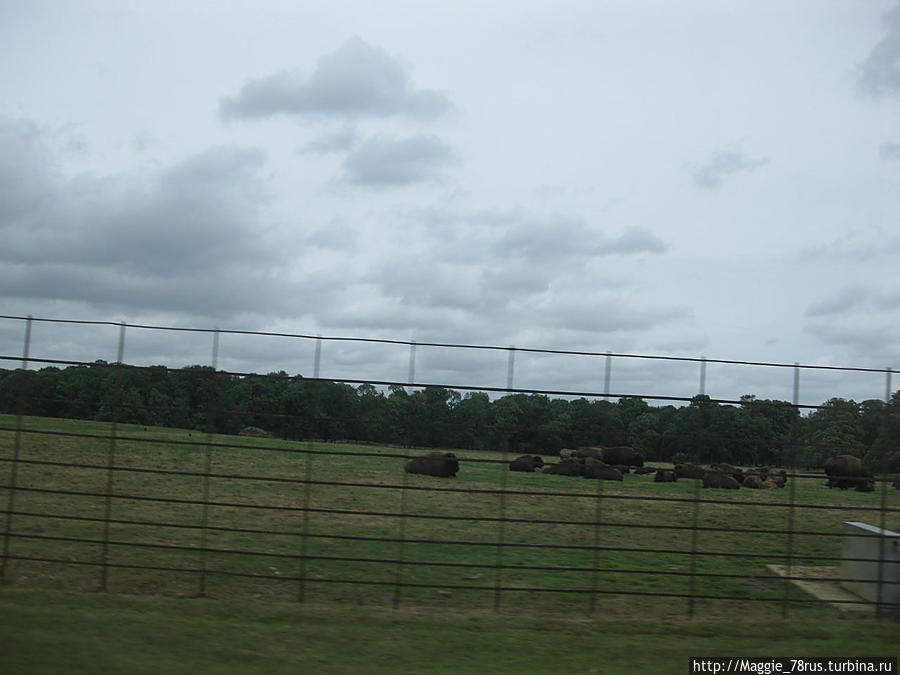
46,632
280,550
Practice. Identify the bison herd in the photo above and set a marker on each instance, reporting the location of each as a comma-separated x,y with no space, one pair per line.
843,471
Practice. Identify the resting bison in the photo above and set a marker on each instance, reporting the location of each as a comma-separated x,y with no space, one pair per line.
594,468
717,479
846,471
753,482
688,470
567,467
641,470
442,464
587,451
896,483
526,463
623,455
665,476
728,470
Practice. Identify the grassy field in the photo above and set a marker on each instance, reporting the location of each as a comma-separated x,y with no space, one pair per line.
341,526
54,632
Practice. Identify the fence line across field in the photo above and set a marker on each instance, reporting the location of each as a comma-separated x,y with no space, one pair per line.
400,562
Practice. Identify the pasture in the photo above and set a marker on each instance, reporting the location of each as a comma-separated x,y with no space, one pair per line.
165,512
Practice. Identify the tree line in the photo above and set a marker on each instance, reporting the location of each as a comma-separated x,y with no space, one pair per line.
752,432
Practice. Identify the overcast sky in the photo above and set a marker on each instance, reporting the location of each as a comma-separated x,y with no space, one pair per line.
695,178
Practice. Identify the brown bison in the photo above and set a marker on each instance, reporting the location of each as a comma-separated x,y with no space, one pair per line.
441,464
526,463
717,479
623,455
688,470
846,471
594,468
753,482
665,476
566,467
589,451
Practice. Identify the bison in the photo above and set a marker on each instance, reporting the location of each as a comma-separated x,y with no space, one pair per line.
587,451
623,455
594,468
717,479
526,463
688,470
567,467
753,482
846,471
665,476
441,464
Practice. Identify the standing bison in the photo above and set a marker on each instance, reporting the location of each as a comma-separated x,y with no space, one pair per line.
441,464
846,471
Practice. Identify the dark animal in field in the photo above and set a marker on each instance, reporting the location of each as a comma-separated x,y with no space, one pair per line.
688,470
623,455
665,476
779,476
753,482
567,453
589,451
526,463
642,470
594,468
441,464
567,467
727,469
717,479
896,483
846,471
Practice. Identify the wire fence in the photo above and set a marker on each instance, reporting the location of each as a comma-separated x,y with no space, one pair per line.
101,504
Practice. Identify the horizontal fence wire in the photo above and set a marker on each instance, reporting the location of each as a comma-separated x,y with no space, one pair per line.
202,511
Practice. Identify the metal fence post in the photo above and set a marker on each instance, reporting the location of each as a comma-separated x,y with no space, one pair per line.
792,492
304,536
207,469
111,457
695,524
17,448
594,579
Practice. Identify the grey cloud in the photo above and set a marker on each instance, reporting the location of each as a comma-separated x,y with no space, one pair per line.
599,313
185,238
27,172
339,141
889,151
197,214
841,302
722,165
382,162
854,299
879,74
564,237
357,80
